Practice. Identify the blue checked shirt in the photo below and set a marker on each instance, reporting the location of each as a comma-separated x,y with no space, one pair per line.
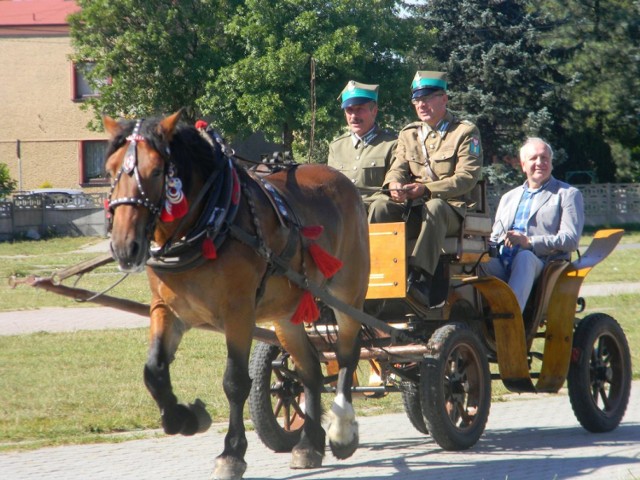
520,223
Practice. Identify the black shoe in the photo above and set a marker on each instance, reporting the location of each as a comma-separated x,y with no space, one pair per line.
418,286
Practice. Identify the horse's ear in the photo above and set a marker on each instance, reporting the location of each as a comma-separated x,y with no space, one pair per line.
111,126
168,124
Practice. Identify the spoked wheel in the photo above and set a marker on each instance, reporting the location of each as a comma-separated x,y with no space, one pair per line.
276,401
412,406
599,378
455,383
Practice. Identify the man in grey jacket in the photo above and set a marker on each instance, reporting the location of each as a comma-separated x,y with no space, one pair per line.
539,221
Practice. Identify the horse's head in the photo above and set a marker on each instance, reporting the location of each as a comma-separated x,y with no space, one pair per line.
138,161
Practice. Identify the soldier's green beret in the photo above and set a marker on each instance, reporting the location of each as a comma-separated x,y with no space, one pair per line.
356,93
426,82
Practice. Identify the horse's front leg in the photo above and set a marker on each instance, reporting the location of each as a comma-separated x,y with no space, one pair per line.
343,427
230,465
165,336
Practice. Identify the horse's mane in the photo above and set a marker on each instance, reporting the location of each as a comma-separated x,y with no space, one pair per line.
190,152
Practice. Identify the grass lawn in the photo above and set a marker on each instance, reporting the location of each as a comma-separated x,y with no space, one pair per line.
87,386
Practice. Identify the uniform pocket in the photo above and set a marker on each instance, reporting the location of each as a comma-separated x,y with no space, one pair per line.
444,163
374,170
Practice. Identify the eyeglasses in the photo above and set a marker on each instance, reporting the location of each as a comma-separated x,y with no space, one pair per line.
426,98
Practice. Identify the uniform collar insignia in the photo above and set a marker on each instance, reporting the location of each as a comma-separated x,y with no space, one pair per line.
367,138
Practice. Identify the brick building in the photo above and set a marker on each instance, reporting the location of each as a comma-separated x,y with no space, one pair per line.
44,138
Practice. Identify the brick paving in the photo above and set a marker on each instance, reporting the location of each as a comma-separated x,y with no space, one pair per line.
530,438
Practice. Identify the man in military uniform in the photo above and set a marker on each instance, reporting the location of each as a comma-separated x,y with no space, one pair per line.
436,165
364,153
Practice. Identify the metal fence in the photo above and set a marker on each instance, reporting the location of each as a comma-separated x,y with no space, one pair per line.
38,215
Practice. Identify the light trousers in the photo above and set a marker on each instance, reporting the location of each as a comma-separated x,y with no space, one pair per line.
525,269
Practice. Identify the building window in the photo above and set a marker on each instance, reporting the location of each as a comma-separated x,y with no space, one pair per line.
80,86
92,157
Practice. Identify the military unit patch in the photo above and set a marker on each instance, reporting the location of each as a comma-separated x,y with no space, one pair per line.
474,146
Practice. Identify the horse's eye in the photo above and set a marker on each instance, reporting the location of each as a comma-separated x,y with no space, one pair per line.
157,172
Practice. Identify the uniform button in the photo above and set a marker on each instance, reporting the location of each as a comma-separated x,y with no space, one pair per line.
358,157
373,164
433,134
355,168
432,146
353,180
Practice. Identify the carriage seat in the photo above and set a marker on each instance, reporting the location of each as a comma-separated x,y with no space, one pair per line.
470,244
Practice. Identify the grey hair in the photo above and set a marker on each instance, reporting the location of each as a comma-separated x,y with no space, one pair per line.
531,140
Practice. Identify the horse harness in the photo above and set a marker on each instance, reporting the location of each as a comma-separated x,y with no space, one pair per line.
217,221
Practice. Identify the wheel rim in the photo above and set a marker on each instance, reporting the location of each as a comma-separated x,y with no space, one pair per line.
606,372
287,396
462,386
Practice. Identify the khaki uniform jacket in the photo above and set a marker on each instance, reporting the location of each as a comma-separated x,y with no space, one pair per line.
365,165
454,153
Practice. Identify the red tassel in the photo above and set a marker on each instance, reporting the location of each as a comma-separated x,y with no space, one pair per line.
328,264
307,310
165,214
209,249
201,124
106,207
180,209
312,232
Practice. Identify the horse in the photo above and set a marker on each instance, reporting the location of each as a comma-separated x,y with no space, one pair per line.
220,246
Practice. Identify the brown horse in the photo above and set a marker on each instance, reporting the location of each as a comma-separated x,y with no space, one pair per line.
214,239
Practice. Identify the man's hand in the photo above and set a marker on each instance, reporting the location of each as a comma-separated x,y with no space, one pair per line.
514,238
399,193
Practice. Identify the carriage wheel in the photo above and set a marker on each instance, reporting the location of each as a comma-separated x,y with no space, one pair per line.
599,378
455,384
276,400
412,406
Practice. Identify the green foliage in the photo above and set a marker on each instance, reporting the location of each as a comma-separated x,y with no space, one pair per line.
597,47
245,65
285,50
567,71
158,55
7,184
498,71
502,174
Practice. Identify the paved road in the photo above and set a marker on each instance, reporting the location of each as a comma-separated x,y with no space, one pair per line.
533,438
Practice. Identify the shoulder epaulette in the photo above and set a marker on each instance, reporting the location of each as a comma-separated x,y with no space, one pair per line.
411,125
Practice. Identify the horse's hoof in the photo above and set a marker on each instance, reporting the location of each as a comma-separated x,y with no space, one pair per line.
202,416
306,458
342,451
186,419
229,468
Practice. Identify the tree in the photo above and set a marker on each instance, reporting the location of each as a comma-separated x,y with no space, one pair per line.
296,56
246,65
156,56
499,73
599,46
7,184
